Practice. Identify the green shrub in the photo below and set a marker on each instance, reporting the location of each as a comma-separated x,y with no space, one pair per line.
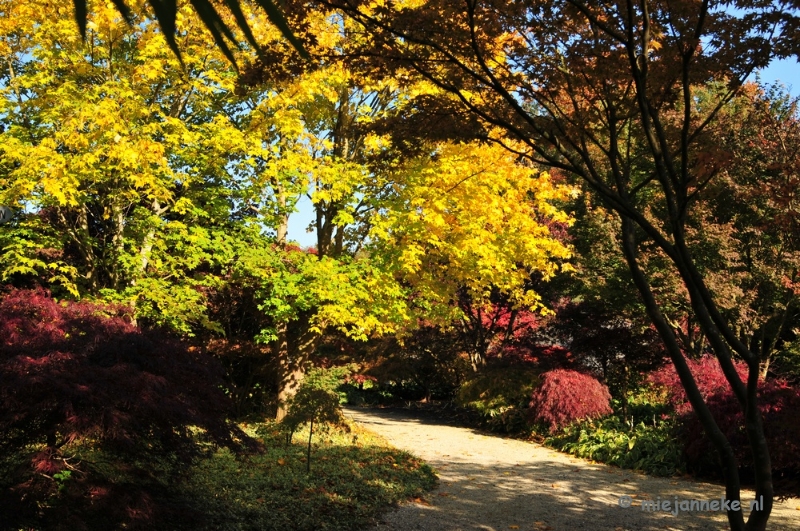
653,449
329,379
645,439
500,395
646,404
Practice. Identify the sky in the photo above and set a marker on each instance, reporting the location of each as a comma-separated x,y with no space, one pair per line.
300,220
785,72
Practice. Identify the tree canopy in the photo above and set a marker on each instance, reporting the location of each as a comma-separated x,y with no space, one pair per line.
615,95
160,182
456,155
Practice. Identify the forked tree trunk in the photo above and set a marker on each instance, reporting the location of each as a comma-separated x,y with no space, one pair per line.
758,519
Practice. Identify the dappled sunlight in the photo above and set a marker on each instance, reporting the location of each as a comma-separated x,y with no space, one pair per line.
491,482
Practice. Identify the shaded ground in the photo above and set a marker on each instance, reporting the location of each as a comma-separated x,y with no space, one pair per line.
491,483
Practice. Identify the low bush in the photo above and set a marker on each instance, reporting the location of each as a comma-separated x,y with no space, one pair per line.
643,439
646,403
653,449
564,397
499,394
80,373
330,379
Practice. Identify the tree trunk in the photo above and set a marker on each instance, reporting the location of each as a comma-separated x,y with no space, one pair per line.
118,244
283,225
293,348
149,239
723,343
308,456
758,519
291,376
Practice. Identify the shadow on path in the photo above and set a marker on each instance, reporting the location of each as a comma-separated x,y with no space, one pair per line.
491,483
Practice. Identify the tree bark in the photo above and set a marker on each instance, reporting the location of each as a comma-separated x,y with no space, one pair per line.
283,225
293,348
308,454
757,520
149,239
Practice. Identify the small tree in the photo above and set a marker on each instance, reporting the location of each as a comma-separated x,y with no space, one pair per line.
314,402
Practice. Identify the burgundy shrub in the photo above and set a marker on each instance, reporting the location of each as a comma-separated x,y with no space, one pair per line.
710,379
566,396
780,407
81,371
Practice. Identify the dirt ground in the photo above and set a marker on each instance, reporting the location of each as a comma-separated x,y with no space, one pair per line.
492,483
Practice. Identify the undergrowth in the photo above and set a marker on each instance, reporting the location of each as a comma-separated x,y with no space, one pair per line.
645,439
499,397
356,475
651,449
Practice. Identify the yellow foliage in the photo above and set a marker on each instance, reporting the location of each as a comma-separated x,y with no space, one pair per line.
134,123
472,216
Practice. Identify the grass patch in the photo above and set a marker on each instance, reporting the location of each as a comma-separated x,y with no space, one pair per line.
354,476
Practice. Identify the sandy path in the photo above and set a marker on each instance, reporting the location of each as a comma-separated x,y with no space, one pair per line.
491,483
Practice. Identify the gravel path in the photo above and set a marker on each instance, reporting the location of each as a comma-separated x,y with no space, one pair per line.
491,483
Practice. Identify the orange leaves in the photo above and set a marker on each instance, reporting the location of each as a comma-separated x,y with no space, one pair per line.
793,285
710,161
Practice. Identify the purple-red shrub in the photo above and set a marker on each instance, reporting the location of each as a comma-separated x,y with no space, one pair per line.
779,404
80,371
515,336
711,381
565,396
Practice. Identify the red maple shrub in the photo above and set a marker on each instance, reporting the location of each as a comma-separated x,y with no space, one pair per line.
81,372
780,408
566,396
